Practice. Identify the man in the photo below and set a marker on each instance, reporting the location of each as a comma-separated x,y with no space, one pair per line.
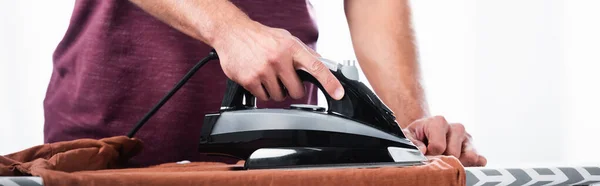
119,57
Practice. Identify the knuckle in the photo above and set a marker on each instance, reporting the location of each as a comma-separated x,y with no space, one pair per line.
273,62
284,31
468,136
259,74
459,128
289,41
280,30
316,66
244,81
292,46
439,119
273,58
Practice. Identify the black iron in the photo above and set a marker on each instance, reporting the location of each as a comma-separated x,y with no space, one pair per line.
358,130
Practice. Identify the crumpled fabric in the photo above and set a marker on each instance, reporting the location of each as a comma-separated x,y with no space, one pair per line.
103,162
71,156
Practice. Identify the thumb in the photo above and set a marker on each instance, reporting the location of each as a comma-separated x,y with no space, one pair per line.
410,134
421,146
305,60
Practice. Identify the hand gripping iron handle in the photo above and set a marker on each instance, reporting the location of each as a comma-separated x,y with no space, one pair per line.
359,102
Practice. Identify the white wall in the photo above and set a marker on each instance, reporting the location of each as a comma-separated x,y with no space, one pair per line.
29,32
582,90
506,69
520,74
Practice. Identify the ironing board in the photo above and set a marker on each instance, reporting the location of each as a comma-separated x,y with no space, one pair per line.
474,177
533,176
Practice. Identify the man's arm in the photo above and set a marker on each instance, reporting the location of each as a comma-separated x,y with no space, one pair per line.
200,19
383,42
255,56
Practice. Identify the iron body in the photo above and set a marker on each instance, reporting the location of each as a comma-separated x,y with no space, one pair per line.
356,131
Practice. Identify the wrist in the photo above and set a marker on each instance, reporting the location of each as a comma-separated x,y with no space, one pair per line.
224,34
409,111
223,28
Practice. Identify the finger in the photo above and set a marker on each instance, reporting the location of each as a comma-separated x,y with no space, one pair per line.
436,133
313,52
469,159
421,146
482,161
293,85
411,136
469,156
417,129
456,136
258,91
468,146
273,88
291,82
304,59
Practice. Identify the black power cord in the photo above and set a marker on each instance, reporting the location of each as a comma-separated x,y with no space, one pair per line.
211,56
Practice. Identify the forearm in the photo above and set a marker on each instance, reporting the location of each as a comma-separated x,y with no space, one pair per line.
383,42
204,20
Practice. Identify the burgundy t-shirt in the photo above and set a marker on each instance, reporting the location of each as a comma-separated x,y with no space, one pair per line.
116,61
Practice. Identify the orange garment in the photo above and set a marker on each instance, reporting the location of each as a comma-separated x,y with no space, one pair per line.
99,162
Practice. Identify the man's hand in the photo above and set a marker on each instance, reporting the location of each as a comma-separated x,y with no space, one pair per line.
261,59
435,136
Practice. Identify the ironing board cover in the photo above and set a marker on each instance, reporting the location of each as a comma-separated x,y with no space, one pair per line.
533,176
475,177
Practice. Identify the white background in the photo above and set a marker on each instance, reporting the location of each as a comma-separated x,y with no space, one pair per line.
522,75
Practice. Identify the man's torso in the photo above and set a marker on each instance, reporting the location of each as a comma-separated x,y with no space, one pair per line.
116,61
